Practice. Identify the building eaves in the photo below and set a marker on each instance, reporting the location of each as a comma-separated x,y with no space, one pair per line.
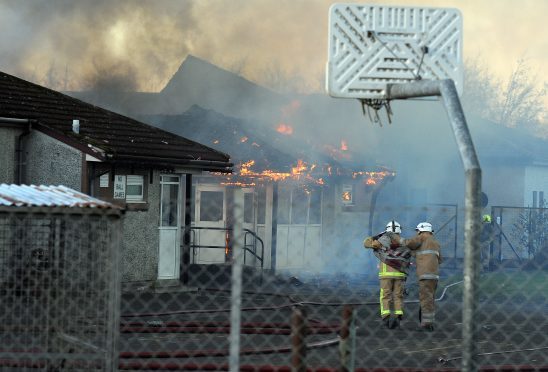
119,137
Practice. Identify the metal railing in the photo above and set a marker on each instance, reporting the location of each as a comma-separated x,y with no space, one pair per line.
249,246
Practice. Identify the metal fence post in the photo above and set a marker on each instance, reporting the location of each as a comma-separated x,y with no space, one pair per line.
236,288
472,199
298,340
347,346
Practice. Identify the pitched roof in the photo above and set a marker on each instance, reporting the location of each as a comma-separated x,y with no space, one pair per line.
104,134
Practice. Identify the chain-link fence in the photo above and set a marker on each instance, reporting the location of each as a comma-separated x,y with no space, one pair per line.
60,289
299,318
231,315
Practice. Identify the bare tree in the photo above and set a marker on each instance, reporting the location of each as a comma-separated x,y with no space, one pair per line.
519,102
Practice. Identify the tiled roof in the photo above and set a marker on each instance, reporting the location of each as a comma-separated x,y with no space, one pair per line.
122,139
47,196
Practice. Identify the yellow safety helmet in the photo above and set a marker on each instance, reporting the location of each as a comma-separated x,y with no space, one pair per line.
486,218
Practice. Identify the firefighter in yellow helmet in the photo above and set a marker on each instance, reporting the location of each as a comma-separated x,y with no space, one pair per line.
486,238
393,264
427,253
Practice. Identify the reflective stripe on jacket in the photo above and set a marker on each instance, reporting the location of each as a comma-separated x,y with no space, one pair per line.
385,271
427,254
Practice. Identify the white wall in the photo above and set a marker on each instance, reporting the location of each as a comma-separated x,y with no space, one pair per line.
536,179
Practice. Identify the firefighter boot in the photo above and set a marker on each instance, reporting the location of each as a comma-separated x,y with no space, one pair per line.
426,327
386,322
395,322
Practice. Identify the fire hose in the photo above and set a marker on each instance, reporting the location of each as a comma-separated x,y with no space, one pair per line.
294,302
443,360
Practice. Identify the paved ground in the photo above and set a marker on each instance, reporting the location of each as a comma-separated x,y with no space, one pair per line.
512,332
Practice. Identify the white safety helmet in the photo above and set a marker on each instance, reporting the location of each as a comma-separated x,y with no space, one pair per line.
424,226
393,226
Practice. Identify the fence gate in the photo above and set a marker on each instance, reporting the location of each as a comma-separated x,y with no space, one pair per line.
520,237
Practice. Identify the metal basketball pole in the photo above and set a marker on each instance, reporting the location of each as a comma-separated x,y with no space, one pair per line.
472,201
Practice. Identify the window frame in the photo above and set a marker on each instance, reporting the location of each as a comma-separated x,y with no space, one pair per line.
135,180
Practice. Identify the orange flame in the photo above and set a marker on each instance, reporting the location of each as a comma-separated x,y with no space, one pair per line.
344,145
243,139
216,141
285,129
301,171
373,178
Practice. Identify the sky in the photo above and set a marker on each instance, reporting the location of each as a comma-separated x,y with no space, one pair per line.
79,44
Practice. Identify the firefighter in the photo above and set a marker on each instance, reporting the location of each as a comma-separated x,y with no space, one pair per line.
428,257
486,238
392,279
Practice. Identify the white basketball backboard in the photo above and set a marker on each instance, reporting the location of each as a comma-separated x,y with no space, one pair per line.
371,46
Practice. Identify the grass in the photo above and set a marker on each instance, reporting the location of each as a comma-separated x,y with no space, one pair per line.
505,285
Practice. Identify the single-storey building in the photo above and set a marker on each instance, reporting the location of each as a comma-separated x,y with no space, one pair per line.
50,138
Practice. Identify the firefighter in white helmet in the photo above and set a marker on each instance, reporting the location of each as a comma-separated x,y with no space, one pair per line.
427,253
393,264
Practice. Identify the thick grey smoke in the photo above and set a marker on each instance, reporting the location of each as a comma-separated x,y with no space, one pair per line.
74,45
62,43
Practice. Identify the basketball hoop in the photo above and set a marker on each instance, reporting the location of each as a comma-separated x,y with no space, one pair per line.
371,107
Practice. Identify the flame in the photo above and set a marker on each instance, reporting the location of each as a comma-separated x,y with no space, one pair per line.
216,141
344,145
301,171
373,178
300,168
255,144
243,139
347,196
285,129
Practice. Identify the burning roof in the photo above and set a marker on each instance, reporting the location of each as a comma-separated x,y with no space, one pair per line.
265,153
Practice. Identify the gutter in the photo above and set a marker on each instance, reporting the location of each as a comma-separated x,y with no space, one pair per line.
215,165
19,145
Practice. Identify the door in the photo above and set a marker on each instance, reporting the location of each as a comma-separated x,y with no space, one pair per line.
209,224
249,226
170,230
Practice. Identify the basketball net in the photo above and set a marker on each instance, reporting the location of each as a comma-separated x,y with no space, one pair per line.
371,108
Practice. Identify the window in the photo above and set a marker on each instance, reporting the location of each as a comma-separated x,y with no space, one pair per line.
298,206
211,206
284,204
248,207
134,189
261,205
169,205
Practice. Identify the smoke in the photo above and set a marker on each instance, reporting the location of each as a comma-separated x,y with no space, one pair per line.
67,43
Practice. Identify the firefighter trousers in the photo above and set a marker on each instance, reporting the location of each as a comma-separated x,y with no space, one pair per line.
391,296
427,291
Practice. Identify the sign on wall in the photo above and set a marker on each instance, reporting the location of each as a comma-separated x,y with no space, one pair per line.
119,187
103,180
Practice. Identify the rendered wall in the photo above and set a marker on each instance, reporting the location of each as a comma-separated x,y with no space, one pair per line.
8,162
51,162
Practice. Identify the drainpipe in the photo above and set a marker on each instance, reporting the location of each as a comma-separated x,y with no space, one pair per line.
472,199
19,145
